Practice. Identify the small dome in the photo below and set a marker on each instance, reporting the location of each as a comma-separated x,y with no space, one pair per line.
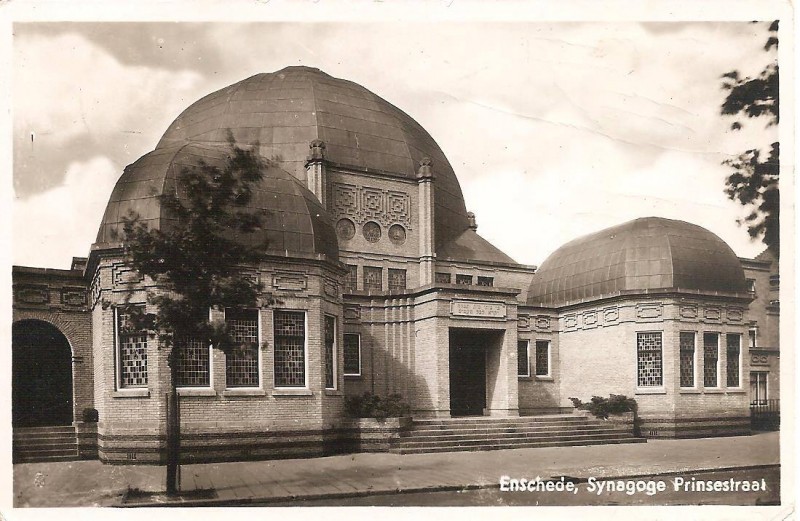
285,110
294,222
642,255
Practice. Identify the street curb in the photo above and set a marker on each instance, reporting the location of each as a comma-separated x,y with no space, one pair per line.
413,490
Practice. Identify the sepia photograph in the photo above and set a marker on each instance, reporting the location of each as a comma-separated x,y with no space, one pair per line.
413,262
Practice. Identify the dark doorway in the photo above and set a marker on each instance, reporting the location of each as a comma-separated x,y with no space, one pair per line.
467,372
41,382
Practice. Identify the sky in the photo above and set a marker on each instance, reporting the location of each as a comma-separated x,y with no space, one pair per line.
555,130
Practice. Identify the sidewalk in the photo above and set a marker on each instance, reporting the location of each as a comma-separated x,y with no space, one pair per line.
90,483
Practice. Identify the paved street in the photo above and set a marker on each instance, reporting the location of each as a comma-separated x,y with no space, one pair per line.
90,483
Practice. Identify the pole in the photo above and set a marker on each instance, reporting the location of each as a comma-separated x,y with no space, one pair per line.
173,434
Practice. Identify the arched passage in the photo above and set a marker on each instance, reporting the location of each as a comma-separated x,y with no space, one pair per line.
41,375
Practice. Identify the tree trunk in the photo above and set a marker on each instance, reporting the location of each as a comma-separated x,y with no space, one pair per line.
173,433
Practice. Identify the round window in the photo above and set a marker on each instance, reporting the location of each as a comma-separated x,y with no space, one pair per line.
397,234
372,231
345,229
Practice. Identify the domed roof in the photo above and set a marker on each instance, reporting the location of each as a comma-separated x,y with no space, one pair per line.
645,254
294,222
285,110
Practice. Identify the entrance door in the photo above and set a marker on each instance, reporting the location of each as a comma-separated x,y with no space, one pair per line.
41,382
467,374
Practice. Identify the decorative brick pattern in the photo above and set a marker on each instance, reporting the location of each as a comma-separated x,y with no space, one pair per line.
365,203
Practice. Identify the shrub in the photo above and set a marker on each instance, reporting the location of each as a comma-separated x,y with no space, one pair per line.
602,407
370,405
90,415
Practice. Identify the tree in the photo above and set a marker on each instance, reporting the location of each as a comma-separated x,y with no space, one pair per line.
196,264
754,181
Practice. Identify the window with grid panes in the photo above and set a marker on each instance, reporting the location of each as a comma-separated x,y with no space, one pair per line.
290,348
687,359
373,278
465,280
194,364
523,359
649,360
352,354
131,352
542,358
397,279
443,278
732,363
710,359
330,352
351,280
241,363
486,281
758,387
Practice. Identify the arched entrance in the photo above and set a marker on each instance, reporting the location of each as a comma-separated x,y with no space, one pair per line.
41,385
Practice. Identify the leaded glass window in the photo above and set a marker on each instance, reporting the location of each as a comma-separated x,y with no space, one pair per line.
194,364
351,280
290,349
649,360
443,278
465,280
710,359
373,278
330,352
486,281
687,359
758,387
523,359
241,362
732,364
542,358
397,280
352,354
132,352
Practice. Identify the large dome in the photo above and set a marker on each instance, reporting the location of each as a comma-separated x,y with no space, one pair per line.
645,254
293,221
285,110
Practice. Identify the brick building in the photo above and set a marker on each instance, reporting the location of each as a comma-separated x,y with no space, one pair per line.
380,283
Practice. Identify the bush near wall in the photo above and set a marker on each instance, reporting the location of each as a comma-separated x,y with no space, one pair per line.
370,405
603,407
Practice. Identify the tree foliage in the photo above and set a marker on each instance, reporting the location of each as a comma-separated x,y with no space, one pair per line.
754,181
194,258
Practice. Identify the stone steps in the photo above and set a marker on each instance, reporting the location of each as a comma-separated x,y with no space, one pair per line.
486,433
36,444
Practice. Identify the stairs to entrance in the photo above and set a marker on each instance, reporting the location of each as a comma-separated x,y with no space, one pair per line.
486,433
34,444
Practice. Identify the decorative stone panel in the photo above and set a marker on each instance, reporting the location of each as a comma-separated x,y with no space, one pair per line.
523,322
570,321
365,203
649,311
73,297
688,311
352,313
735,314
543,323
122,275
36,294
289,281
331,289
712,314
759,360
610,315
590,319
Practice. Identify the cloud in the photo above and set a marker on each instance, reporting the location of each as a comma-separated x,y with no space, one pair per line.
50,228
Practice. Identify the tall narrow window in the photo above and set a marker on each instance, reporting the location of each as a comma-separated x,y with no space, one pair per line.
290,348
542,358
758,387
351,280
373,278
241,363
523,358
194,364
352,354
397,279
752,333
131,352
649,362
732,361
710,359
687,358
330,352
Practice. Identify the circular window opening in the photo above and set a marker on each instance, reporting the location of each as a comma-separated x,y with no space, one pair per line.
397,234
372,231
345,229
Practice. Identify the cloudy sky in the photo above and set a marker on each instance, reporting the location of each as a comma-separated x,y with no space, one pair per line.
554,129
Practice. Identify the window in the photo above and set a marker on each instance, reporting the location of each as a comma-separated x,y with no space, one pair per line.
131,351
290,348
241,363
486,281
733,361
351,280
373,278
397,280
758,387
352,354
649,361
330,352
523,358
752,334
751,285
194,364
710,359
687,339
443,278
463,279
542,358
